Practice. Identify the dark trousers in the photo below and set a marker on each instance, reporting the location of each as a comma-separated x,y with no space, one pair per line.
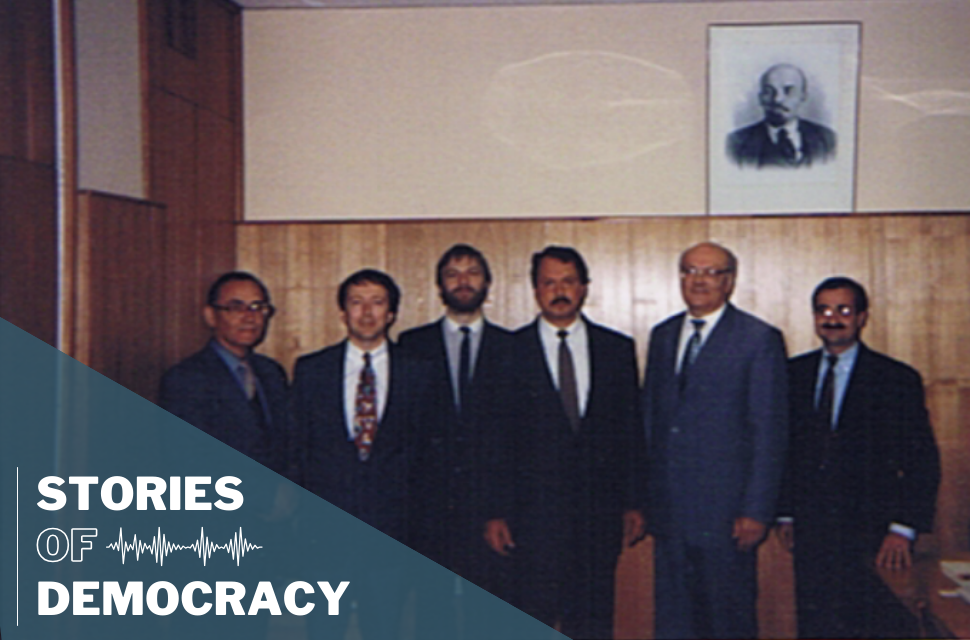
837,592
705,591
568,578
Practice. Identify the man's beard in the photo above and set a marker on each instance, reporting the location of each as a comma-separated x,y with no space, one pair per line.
464,306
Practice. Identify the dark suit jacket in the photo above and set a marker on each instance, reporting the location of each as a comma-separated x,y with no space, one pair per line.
568,481
716,450
887,459
460,480
376,491
752,145
203,391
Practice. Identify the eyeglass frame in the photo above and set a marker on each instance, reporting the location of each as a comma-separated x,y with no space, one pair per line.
709,272
238,308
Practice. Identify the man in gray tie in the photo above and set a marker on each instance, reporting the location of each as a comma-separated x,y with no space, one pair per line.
716,419
576,455
228,390
862,474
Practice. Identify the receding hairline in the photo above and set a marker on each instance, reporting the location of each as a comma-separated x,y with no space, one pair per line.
785,65
732,260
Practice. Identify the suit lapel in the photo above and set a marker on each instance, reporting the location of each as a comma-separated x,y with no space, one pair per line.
337,408
227,380
597,371
718,342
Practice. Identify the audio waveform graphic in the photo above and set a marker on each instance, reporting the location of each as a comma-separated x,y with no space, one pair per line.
160,547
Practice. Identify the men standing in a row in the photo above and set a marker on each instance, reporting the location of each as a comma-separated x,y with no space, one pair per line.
357,405
716,417
226,389
469,359
862,475
575,455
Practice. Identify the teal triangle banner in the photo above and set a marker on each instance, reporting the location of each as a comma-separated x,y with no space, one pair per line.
119,520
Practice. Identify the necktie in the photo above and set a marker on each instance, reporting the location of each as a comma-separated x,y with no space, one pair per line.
691,352
785,145
365,411
464,366
248,378
826,399
567,382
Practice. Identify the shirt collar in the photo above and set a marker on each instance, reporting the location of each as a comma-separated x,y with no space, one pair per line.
454,327
791,126
846,359
551,330
710,319
356,353
231,359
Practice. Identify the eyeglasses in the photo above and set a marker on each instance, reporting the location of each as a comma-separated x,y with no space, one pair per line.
237,308
709,272
842,310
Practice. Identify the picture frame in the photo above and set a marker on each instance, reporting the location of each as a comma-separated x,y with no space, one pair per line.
782,117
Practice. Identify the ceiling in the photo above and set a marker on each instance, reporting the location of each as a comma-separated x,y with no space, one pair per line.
360,4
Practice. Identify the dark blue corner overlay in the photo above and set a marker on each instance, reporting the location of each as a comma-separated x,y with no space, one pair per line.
118,520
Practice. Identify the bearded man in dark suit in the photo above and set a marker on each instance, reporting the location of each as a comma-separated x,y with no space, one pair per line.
469,358
716,416
782,139
226,389
862,475
460,476
576,457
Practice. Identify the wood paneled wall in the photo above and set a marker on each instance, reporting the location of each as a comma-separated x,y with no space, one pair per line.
194,160
914,267
120,289
28,191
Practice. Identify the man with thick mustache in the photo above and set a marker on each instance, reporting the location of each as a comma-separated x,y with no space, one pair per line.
461,478
576,455
782,139
862,474
716,417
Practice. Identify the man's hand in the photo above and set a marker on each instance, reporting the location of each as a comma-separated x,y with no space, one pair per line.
786,534
498,536
748,532
634,527
894,552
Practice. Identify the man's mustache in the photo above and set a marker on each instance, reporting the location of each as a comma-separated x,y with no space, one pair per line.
833,325
562,300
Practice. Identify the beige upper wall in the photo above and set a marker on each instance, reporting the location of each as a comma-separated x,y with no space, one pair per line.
566,110
109,97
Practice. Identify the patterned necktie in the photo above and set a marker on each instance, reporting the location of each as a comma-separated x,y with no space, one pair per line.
691,352
464,366
785,145
826,399
567,382
365,411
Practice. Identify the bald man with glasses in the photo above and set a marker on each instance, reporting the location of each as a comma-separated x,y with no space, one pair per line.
716,417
